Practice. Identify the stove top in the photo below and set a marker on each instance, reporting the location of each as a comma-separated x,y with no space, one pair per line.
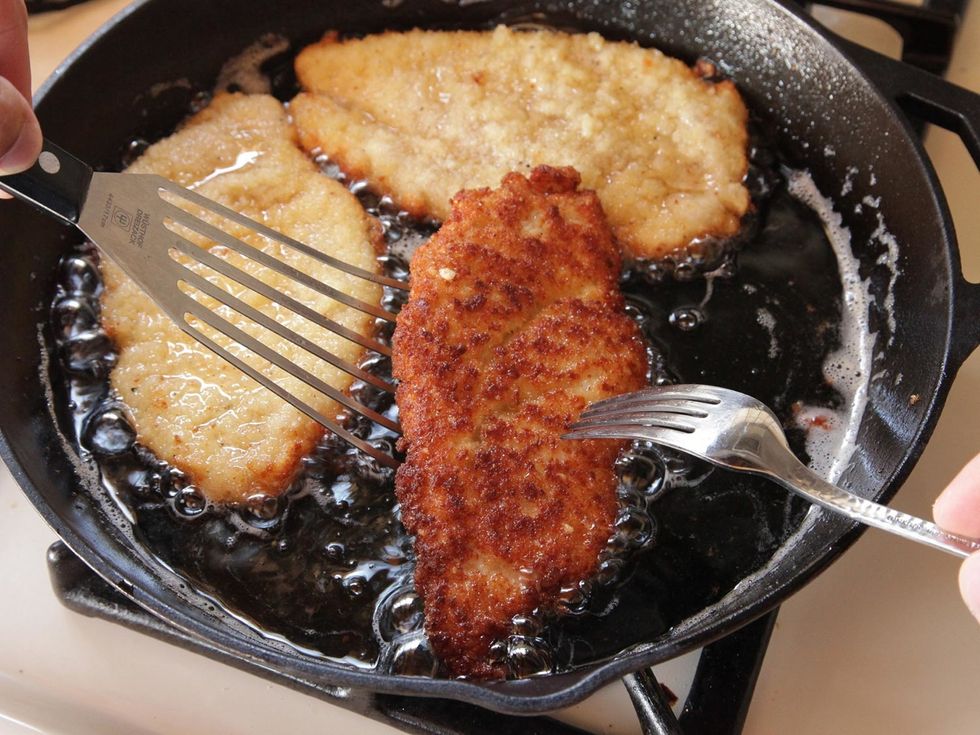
865,666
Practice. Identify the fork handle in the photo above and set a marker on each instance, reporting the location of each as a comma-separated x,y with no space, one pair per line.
798,477
57,183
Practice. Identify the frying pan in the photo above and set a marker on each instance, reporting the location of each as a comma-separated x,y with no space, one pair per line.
835,106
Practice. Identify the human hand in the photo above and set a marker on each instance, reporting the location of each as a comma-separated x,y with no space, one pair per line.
20,134
957,510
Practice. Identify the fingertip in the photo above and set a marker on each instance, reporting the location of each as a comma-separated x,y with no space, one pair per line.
970,584
24,152
957,509
20,133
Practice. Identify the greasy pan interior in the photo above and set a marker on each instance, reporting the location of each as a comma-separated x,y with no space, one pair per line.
826,114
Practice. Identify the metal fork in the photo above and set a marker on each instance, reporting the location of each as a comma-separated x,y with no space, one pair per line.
733,430
128,218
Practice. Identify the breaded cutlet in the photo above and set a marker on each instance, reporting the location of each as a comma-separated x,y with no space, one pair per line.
514,324
232,436
424,114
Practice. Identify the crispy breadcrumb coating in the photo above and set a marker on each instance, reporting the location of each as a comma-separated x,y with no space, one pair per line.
514,324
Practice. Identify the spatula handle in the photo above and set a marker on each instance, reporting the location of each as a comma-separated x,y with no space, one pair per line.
57,183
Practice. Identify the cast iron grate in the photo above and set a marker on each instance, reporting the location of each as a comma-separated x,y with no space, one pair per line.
928,30
717,703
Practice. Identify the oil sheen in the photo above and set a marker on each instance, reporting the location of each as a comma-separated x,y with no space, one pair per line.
328,567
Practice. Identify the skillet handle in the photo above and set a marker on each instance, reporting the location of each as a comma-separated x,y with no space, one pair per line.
930,98
924,95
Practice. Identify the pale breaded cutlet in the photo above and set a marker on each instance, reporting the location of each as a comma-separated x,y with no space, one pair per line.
232,436
424,114
514,324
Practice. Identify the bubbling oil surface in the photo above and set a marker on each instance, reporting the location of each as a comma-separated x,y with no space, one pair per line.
328,566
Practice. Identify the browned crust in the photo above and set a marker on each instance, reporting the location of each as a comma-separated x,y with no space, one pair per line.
514,324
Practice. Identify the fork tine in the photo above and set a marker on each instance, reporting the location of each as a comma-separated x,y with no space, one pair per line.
272,325
231,331
644,397
643,410
671,435
366,447
601,432
652,420
191,222
234,216
638,418
237,274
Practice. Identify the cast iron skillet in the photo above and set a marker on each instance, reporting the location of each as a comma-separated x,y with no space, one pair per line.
830,115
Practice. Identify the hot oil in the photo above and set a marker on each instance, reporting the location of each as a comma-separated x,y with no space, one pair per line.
328,567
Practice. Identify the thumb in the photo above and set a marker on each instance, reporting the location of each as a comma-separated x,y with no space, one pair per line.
970,584
958,510
20,134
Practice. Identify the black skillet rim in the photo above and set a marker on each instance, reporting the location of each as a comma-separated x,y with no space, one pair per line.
583,681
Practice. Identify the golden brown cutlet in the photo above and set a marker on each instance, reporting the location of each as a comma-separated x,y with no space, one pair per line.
514,324
232,436
424,114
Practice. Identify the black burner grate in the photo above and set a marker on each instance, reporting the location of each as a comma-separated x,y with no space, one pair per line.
717,704
928,30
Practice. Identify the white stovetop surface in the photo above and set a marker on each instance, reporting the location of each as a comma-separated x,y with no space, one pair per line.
880,643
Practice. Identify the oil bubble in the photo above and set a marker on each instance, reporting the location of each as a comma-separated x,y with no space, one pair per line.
140,481
406,612
355,585
172,481
635,527
262,506
73,315
610,571
498,652
637,471
528,657
89,354
109,433
686,319
637,314
653,272
526,625
190,502
413,657
573,600
80,276
368,471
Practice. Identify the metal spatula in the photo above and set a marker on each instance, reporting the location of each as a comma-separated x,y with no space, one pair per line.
135,219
